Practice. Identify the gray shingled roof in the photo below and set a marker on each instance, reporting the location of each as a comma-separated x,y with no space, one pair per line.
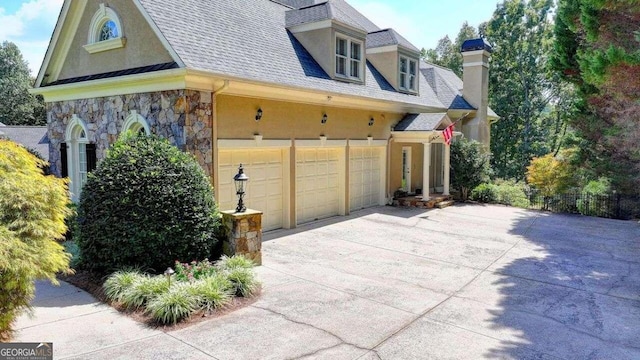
388,37
252,43
420,122
447,86
33,137
323,11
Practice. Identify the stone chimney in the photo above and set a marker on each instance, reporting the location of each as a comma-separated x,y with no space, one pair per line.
476,54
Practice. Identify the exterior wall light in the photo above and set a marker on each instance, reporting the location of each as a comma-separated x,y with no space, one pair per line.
240,180
371,121
259,115
324,119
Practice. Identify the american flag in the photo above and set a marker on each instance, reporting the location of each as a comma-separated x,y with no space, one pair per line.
448,134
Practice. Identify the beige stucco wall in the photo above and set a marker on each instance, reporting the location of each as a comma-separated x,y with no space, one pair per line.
281,120
320,44
417,160
387,64
142,48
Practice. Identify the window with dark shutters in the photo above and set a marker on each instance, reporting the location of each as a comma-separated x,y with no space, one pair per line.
63,159
91,157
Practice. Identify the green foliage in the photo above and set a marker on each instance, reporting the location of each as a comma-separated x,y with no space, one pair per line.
145,205
485,193
174,305
119,283
592,201
213,292
76,256
549,175
195,270
227,263
142,290
469,165
502,192
32,211
244,281
447,53
596,49
17,106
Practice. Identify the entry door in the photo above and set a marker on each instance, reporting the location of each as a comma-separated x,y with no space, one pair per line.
317,184
264,188
406,169
365,177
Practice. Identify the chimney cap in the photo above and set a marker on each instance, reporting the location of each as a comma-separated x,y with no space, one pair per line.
476,44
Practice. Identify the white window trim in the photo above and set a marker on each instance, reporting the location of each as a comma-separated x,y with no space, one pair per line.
408,74
94,44
348,58
135,122
75,127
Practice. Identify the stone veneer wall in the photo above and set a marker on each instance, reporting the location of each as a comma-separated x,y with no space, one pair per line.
181,116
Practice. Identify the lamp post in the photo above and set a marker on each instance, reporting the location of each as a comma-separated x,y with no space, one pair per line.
168,274
240,180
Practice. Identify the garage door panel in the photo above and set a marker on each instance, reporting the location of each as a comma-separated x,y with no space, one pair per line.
265,186
365,177
317,184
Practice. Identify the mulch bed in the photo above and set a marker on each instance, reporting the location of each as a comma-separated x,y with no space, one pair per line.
93,285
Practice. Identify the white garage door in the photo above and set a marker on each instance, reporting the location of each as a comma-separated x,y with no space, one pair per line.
365,176
265,187
317,184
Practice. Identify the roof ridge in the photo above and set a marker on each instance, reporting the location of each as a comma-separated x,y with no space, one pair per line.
310,6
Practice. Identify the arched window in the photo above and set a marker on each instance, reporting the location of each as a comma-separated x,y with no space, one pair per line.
105,31
136,123
80,156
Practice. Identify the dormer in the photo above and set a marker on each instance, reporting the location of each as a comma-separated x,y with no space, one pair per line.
395,58
335,41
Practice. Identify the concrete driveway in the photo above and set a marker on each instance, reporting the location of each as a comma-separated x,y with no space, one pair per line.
465,282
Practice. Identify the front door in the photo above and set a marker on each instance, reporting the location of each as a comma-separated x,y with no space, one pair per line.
406,169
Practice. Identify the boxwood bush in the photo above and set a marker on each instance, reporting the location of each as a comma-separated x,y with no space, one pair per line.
146,205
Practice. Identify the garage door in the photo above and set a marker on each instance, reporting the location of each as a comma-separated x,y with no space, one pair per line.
365,175
265,187
317,184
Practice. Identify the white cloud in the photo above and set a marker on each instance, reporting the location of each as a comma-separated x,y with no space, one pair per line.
30,28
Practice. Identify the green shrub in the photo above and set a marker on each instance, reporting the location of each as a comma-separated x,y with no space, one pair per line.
243,280
173,305
146,205
72,248
71,221
32,211
234,262
119,283
213,292
593,201
502,192
469,166
143,290
485,193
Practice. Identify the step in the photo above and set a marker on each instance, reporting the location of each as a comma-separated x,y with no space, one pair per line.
444,204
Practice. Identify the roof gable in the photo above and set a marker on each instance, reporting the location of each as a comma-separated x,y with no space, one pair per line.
388,37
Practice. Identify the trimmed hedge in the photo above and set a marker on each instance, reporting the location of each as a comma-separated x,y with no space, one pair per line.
146,205
501,192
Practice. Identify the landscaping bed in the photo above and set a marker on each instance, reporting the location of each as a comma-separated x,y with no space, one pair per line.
193,293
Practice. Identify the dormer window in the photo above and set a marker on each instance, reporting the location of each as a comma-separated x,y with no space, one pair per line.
105,31
408,71
348,58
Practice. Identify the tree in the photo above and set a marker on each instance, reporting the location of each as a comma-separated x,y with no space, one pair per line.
17,105
523,91
469,166
447,53
32,212
596,48
549,175
147,205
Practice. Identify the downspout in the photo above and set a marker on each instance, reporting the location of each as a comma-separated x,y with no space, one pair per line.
214,127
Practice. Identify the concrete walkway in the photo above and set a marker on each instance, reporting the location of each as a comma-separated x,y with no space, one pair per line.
465,282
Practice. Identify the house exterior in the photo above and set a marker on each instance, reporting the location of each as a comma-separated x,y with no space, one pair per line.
327,112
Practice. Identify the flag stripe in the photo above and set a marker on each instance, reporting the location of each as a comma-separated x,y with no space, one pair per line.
448,134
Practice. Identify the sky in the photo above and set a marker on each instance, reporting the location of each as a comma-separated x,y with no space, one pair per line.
29,23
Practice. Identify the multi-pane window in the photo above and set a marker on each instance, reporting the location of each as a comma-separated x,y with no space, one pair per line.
108,31
82,163
408,71
348,58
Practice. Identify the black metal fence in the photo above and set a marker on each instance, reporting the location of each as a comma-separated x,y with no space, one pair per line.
613,206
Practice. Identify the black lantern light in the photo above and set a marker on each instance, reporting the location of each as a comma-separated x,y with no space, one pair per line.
371,121
240,180
324,119
259,115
